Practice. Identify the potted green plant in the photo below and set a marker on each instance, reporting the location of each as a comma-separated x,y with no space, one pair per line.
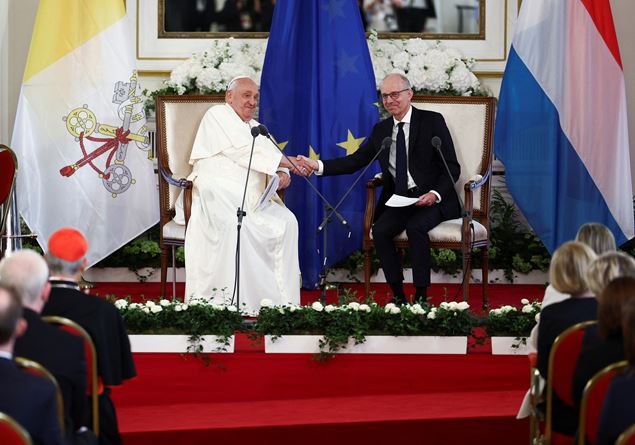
173,326
509,327
365,328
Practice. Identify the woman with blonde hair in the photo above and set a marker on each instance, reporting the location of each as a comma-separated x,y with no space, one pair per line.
567,275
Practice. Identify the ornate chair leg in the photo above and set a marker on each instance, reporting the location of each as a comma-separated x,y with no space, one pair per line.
368,264
164,268
485,276
466,270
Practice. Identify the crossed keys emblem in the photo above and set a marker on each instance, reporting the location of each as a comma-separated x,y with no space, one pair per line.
81,123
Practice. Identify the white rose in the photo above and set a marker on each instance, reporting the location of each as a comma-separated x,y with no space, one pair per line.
121,304
524,301
164,302
444,305
281,310
498,311
156,309
266,302
317,306
292,309
432,315
194,302
146,310
354,306
527,309
178,308
395,310
453,305
463,305
184,306
134,306
329,308
389,307
364,307
232,308
150,303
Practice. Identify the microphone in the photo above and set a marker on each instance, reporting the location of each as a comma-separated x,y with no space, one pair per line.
385,143
436,143
263,130
255,131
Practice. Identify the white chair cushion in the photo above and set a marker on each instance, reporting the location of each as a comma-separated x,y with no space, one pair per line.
173,230
449,231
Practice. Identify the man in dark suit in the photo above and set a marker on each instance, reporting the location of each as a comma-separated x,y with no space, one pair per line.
28,399
58,351
66,260
411,167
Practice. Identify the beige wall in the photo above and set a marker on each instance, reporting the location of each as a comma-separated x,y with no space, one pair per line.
17,25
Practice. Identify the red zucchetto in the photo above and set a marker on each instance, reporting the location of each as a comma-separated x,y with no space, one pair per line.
68,244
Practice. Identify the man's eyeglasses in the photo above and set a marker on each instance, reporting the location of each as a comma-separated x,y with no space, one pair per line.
394,95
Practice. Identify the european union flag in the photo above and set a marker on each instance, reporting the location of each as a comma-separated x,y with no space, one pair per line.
319,99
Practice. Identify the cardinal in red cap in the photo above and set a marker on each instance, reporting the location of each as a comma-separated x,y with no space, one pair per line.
68,244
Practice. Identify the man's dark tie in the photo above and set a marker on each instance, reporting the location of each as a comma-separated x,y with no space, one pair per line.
401,167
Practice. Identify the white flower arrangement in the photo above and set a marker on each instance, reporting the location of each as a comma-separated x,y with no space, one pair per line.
432,68
509,321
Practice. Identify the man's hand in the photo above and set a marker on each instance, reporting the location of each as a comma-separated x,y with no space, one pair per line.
285,180
427,199
305,165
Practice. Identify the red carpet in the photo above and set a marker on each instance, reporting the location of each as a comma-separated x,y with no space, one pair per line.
282,399
252,397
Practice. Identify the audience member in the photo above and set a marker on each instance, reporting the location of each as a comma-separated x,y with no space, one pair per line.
605,345
59,352
618,411
567,274
599,238
66,260
28,399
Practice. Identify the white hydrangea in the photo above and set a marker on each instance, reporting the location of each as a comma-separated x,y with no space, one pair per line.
395,310
364,308
317,306
528,308
463,306
524,301
232,308
134,306
163,302
432,315
329,308
121,304
156,309
353,306
146,310
389,307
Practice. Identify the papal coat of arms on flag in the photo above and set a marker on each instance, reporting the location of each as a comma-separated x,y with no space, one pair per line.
80,133
82,124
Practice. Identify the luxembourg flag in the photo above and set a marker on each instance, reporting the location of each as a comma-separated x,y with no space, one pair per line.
80,133
561,128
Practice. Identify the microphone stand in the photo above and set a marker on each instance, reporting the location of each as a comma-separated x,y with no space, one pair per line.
333,210
240,214
436,142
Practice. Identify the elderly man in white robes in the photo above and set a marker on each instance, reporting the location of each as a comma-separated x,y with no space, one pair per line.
269,266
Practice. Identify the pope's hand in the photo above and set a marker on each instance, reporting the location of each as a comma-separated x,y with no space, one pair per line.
285,180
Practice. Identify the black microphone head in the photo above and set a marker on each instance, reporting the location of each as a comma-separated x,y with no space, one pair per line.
263,130
436,142
386,142
255,131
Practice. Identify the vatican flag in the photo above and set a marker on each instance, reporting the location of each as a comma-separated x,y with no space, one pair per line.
80,133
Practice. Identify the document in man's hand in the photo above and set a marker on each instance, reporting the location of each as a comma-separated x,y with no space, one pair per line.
400,201
272,188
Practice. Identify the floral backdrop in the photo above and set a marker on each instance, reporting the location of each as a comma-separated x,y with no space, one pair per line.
431,67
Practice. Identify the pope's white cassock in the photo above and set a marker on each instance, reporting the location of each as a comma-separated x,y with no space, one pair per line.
269,265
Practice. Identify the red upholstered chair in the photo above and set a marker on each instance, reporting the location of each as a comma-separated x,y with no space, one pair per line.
8,174
11,433
592,399
94,386
562,360
627,437
37,369
536,418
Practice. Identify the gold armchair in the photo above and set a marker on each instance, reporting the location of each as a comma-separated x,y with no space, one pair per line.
470,121
178,119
